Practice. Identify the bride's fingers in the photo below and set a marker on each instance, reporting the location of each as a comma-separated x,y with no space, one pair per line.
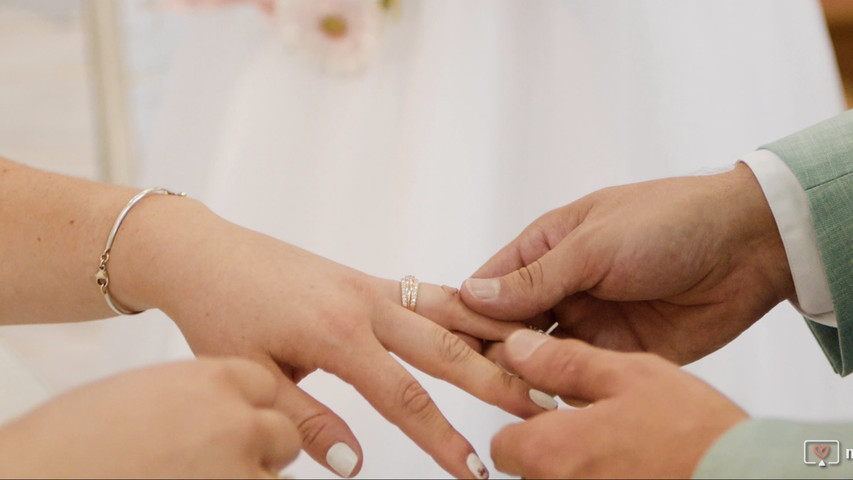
395,394
443,305
495,351
440,353
325,436
473,343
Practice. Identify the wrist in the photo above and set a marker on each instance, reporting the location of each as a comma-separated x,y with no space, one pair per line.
754,232
152,247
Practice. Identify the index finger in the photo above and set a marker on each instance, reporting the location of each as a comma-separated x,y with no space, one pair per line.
438,352
396,395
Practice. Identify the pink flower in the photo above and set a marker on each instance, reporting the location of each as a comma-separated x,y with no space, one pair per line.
339,35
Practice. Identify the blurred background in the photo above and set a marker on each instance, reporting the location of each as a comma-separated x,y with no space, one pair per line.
79,83
82,89
80,80
839,20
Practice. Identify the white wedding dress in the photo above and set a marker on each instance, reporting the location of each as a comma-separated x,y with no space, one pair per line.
469,121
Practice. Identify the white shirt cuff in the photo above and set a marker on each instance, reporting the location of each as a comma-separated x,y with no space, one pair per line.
790,207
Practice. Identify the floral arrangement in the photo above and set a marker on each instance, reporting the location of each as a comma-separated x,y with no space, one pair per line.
339,36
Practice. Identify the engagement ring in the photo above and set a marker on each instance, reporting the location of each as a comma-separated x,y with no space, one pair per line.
409,291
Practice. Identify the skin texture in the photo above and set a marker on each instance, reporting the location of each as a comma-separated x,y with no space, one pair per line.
648,418
230,431
235,292
678,267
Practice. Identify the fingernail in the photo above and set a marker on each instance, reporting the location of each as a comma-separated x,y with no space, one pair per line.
342,459
576,403
475,465
522,343
542,399
483,288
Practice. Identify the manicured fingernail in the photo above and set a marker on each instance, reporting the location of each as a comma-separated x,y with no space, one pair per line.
475,465
342,459
576,403
522,343
542,399
483,288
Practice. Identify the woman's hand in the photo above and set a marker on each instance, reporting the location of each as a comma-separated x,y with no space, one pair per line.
204,419
237,292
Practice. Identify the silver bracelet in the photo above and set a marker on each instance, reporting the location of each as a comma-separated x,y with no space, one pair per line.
102,278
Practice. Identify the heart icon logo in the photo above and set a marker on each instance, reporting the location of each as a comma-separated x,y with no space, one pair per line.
821,450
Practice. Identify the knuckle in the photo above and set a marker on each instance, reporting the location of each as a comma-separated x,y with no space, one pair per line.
360,286
341,329
311,427
531,279
505,380
585,261
531,275
537,236
500,382
217,373
452,349
254,428
414,399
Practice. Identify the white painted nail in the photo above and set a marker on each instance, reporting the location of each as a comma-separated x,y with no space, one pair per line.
483,288
475,465
542,399
342,459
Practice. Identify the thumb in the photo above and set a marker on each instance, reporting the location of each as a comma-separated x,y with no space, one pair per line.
530,290
569,368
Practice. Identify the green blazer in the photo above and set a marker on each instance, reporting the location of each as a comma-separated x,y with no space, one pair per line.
821,157
779,449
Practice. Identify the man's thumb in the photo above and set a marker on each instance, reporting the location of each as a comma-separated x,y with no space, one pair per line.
523,293
570,368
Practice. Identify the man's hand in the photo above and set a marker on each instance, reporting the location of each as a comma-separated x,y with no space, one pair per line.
678,267
648,418
202,419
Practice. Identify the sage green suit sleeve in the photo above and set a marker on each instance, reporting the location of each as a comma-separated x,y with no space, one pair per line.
821,157
778,449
